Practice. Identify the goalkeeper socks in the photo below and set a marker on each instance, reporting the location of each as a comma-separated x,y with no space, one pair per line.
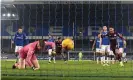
54,59
49,59
107,60
103,58
98,60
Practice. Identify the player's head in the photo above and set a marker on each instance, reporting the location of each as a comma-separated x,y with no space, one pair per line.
14,67
111,29
121,34
59,38
20,30
98,35
104,28
41,44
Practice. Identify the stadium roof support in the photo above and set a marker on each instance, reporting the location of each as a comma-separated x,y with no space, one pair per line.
67,2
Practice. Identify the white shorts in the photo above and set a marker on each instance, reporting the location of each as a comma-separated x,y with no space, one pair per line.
17,48
50,52
105,48
111,53
98,50
121,50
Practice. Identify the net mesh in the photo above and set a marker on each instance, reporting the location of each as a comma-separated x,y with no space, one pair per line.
81,21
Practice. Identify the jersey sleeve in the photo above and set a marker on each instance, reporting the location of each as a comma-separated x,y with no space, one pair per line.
15,37
25,39
24,36
118,34
29,56
52,44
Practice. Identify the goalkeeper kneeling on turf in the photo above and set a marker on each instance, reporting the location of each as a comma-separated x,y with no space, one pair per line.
28,54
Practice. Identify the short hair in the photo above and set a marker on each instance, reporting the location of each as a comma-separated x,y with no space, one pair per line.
14,67
59,38
104,25
111,27
20,28
41,43
98,34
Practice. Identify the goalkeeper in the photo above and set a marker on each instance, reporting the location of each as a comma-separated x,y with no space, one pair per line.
28,54
67,44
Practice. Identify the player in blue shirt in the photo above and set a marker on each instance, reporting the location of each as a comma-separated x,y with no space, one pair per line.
19,40
97,42
51,39
105,45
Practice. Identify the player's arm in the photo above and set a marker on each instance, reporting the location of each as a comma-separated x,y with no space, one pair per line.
93,44
25,38
119,35
14,39
125,43
100,40
29,56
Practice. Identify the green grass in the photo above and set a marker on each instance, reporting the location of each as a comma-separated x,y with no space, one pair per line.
85,70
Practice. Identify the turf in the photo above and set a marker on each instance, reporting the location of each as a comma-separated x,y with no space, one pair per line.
85,70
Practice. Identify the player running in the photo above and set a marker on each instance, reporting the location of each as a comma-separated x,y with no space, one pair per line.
67,44
50,50
113,42
27,54
58,46
98,48
105,46
19,40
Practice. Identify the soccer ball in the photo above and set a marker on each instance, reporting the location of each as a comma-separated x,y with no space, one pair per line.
68,44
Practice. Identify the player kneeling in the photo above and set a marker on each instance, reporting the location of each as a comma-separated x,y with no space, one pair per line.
27,54
98,49
67,44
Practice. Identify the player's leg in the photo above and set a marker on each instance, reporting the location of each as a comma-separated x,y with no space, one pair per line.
53,56
50,54
100,56
111,57
17,48
120,56
103,47
124,56
64,54
35,62
97,55
16,53
107,53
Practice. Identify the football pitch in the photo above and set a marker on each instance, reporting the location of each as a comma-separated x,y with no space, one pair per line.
73,70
